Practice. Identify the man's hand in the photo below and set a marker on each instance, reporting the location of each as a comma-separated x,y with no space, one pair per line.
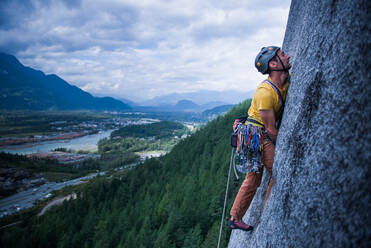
269,121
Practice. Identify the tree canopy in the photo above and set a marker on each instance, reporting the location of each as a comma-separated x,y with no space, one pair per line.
172,201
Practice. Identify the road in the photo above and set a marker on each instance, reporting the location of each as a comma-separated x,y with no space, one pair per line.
28,198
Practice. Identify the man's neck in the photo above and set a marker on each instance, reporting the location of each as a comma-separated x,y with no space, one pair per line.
279,78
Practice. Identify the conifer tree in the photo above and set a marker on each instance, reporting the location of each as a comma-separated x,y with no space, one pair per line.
211,239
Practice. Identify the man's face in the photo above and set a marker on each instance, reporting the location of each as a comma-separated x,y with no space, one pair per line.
285,58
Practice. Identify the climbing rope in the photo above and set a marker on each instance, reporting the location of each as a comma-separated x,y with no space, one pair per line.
225,198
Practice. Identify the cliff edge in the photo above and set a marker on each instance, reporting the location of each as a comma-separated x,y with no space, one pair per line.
321,196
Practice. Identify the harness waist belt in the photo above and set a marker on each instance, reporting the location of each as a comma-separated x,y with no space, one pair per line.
268,135
254,121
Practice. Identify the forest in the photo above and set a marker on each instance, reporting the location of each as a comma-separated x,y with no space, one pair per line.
172,201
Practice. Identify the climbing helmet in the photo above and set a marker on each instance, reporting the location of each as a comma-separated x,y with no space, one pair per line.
263,58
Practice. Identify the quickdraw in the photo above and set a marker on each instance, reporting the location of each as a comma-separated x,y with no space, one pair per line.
249,147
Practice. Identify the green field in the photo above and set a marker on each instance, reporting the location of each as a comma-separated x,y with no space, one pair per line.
134,139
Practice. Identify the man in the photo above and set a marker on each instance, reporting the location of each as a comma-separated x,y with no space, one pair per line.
265,110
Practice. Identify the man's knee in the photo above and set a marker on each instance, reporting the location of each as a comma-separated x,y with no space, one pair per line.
252,180
268,156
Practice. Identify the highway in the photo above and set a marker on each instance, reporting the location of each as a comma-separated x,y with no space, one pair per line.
28,198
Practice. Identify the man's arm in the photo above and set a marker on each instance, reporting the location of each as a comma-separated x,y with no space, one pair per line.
269,121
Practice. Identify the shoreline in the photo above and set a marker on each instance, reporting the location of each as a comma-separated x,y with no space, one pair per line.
29,141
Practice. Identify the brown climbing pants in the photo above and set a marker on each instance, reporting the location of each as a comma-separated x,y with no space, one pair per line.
252,182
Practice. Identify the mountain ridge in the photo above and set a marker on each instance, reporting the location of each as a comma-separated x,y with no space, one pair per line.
200,97
184,105
24,88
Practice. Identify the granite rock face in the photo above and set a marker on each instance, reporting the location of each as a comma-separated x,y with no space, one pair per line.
321,196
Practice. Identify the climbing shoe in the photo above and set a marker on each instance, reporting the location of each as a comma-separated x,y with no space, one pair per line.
239,225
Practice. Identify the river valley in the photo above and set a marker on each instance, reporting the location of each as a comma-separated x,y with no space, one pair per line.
29,197
86,143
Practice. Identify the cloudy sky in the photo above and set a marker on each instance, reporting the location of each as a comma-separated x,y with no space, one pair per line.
139,49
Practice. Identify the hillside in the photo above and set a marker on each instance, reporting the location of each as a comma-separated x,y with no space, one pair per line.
173,201
23,88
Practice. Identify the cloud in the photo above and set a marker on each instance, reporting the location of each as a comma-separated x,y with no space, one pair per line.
142,49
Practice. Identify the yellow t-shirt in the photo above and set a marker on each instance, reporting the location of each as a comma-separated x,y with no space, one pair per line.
265,98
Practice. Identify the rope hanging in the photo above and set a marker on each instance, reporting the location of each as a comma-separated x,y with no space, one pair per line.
226,196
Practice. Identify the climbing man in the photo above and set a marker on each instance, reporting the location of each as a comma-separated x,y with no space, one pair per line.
265,112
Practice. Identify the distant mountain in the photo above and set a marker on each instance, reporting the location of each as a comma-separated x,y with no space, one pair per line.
183,105
186,105
211,105
28,89
201,97
124,100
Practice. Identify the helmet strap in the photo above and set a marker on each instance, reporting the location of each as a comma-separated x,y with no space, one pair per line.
283,66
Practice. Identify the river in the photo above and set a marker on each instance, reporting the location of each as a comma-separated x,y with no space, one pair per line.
88,142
